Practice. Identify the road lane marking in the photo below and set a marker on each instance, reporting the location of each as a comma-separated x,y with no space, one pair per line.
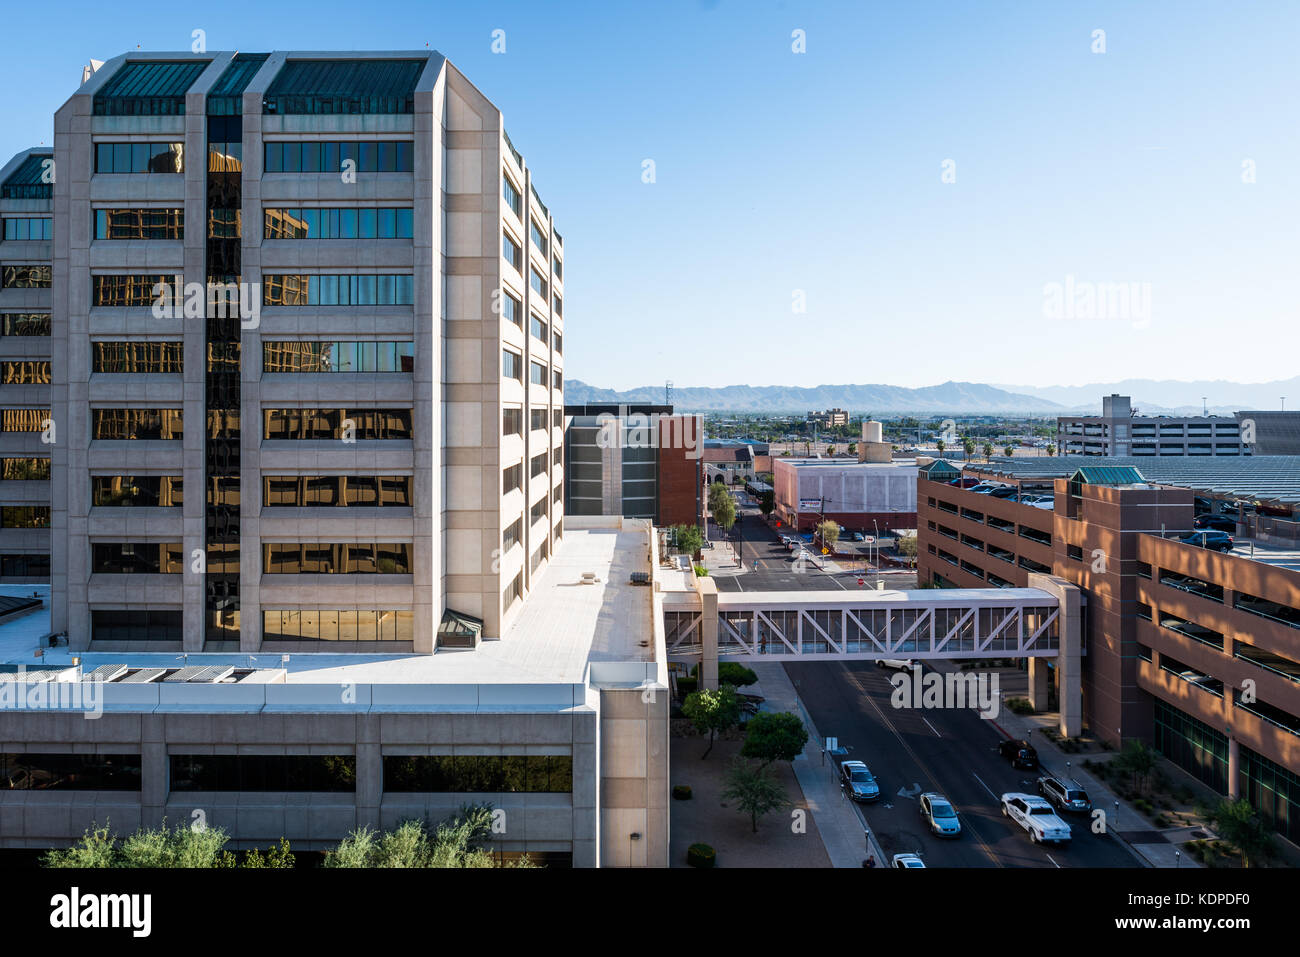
985,786
931,727
1049,857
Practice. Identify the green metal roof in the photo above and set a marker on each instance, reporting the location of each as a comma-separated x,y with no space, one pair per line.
1107,475
939,467
224,99
26,181
344,86
148,88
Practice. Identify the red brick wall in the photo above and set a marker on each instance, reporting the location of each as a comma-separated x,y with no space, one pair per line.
681,470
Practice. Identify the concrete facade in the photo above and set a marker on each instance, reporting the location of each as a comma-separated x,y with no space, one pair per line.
1120,431
459,510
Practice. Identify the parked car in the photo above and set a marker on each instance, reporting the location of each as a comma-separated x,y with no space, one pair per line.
857,779
898,664
940,815
983,488
1221,523
1019,752
859,537
907,860
1003,491
965,481
1036,816
1210,538
1064,794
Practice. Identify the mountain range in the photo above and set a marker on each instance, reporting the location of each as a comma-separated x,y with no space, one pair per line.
1150,396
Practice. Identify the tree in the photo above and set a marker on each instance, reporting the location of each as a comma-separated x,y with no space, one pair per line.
767,503
907,547
187,847
1239,825
724,513
968,446
1009,451
712,711
774,736
689,538
1051,450
1137,759
853,448
829,532
754,790
940,444
830,450
988,451
717,492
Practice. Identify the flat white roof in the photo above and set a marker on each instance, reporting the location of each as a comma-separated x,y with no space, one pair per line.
563,626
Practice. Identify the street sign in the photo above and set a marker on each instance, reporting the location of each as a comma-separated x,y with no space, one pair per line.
825,551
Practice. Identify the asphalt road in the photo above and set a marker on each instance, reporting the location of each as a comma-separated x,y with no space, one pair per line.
952,751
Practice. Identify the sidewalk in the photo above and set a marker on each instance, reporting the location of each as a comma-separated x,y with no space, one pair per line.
838,823
1153,847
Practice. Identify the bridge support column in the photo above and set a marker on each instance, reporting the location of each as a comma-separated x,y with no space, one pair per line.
1039,677
1069,663
708,592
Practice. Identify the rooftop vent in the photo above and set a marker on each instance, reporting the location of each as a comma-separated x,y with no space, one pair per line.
589,578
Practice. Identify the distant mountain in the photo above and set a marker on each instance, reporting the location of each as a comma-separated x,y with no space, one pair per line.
957,398
1168,396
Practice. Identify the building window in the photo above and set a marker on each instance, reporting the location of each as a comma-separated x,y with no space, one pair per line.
138,558
512,478
362,425
337,290
144,491
139,157
558,342
34,372
337,223
159,424
25,470
139,224
512,535
537,420
336,491
558,305
478,773
137,357
557,380
538,328
135,290
538,283
538,373
511,363
512,421
24,420
25,516
25,566
364,156
538,465
137,624
557,419
536,514
511,252
25,324
336,558
31,228
511,307
538,237
511,195
513,592
557,266
44,771
292,356
333,773
26,277
353,624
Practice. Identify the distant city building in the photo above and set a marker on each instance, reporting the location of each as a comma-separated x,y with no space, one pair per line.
729,463
1270,433
831,417
1119,431
637,461
860,496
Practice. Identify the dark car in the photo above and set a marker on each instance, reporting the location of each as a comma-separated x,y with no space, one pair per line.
1210,538
1064,794
965,481
1221,523
1019,752
1003,491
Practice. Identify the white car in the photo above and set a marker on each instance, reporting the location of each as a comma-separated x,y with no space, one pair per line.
907,860
1036,815
899,664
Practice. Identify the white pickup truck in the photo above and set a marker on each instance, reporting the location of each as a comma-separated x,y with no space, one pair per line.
1037,817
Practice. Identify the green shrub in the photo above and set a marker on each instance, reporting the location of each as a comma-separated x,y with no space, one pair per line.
681,792
686,685
701,571
1020,705
701,855
730,673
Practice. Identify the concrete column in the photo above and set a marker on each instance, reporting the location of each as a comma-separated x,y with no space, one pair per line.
1039,683
1069,665
708,592
1234,764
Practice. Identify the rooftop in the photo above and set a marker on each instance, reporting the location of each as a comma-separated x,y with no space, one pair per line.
567,634
1264,478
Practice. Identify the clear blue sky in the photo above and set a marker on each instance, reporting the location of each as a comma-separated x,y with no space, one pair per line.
821,172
